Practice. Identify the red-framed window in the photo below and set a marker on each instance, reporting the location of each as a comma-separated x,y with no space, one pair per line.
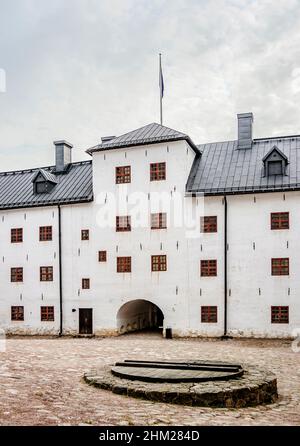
85,234
102,256
159,220
85,283
159,263
279,315
123,224
280,220
17,313
157,171
16,235
208,224
123,174
123,264
281,267
47,314
208,268
46,273
45,233
209,314
16,274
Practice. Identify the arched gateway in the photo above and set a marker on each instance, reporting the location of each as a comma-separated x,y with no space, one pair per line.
139,314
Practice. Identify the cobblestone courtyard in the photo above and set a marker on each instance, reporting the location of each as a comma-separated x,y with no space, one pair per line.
41,381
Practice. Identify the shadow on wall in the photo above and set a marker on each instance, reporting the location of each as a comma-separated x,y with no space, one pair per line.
138,315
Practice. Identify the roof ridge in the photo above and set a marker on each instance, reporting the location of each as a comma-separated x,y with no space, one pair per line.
35,169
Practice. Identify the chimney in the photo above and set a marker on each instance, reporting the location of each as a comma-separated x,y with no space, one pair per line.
245,121
63,155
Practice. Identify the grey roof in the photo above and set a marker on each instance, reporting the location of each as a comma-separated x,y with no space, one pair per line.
48,176
223,168
149,134
73,186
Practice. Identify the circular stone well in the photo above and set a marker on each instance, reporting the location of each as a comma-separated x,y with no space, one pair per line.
195,383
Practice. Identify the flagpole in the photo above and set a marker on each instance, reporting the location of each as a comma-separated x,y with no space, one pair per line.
160,90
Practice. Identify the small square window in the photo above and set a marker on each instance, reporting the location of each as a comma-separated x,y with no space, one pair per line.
280,220
159,263
16,235
123,224
46,273
280,315
47,314
280,267
208,224
85,234
209,314
159,221
45,233
17,313
208,268
124,264
275,168
157,171
102,256
16,274
123,174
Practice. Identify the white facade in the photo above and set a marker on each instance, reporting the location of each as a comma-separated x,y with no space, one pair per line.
179,292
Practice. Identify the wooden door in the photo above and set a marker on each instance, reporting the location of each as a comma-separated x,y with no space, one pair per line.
85,321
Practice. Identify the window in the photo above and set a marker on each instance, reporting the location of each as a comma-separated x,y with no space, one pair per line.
123,174
85,234
159,263
46,273
16,274
17,313
157,171
45,233
102,257
279,220
208,224
16,235
159,221
124,264
47,314
275,168
85,284
208,268
41,187
209,314
123,224
279,315
280,267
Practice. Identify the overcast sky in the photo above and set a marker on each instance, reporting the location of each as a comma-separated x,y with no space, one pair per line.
82,69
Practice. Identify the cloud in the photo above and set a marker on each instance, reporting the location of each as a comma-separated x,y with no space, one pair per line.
82,69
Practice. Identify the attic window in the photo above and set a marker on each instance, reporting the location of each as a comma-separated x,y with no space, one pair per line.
43,182
275,162
41,187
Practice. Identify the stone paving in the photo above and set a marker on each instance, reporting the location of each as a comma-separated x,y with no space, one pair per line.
41,381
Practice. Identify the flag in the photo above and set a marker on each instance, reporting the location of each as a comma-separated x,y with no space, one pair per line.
161,79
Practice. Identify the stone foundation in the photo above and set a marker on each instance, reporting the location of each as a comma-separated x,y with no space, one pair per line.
253,388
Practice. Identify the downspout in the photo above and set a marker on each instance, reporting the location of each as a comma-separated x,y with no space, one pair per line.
225,266
60,274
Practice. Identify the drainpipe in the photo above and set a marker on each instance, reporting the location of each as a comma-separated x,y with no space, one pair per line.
60,274
225,267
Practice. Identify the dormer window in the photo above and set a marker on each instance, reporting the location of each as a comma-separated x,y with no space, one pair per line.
43,182
275,162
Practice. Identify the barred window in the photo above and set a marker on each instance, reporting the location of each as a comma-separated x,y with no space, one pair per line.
123,174
46,273
280,267
280,220
159,263
85,234
279,315
209,314
45,233
159,221
157,171
16,235
16,274
47,314
208,224
123,224
17,313
102,256
85,284
208,268
124,264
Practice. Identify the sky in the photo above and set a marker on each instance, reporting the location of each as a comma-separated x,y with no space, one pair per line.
81,69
